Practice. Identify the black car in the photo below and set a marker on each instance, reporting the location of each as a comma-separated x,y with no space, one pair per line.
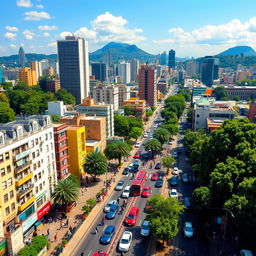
126,171
158,166
159,183
174,181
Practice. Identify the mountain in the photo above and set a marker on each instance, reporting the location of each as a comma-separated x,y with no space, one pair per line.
121,51
238,50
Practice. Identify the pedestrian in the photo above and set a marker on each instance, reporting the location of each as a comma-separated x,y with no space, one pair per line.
87,179
55,237
82,254
103,221
96,230
60,224
48,232
70,229
118,200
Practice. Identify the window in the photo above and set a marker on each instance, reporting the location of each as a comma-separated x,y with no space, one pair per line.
32,143
1,158
36,141
9,182
47,148
6,198
43,183
7,156
34,166
13,207
35,126
40,186
7,210
9,169
35,178
197,115
4,185
46,136
11,194
37,153
2,172
36,189
19,132
62,134
38,164
1,139
50,135
33,155
39,175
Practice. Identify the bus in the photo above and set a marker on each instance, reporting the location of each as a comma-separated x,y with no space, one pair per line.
138,183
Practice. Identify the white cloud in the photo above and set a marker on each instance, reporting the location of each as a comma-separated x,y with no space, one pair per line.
29,35
13,46
10,36
45,27
39,6
53,44
86,33
46,34
64,34
34,15
24,3
11,28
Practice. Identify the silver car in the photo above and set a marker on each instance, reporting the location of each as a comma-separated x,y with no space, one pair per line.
108,205
145,228
188,230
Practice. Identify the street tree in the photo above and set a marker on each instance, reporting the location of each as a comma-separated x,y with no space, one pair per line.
6,113
67,98
162,135
171,128
167,162
201,198
135,133
220,92
154,145
95,164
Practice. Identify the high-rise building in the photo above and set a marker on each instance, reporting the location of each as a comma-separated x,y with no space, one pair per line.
147,85
124,71
35,67
74,66
99,71
123,94
28,76
52,85
191,67
209,70
22,57
163,58
171,59
134,66
1,74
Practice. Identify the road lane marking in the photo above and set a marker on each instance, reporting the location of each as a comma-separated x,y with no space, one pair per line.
139,223
90,252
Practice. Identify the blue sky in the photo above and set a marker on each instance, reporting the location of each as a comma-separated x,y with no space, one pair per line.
191,27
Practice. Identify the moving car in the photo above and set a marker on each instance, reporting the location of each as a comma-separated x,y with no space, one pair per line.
137,155
187,202
107,234
159,182
174,181
188,230
136,165
108,205
126,192
138,144
126,171
145,135
132,216
146,192
175,171
246,253
112,211
173,193
175,154
130,167
100,254
185,178
154,176
145,228
158,166
119,185
125,242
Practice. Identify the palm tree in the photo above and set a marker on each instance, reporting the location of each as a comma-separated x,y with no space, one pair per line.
117,150
66,191
162,135
154,145
95,164
167,162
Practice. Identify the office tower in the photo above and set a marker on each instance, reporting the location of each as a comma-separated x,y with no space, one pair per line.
107,58
99,71
124,71
123,94
163,58
28,76
134,66
35,67
171,59
191,67
74,66
22,58
147,85
1,75
43,66
209,70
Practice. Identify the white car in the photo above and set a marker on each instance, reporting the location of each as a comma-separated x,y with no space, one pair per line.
130,166
170,142
145,228
188,230
145,135
151,136
107,206
175,171
126,192
125,241
138,143
173,193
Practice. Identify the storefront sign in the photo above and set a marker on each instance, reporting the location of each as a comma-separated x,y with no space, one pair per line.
43,210
3,247
29,222
23,154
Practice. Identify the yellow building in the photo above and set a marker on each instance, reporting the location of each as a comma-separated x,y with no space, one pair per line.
35,67
93,146
28,76
77,149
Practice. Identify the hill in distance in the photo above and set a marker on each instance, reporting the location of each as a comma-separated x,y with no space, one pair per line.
238,50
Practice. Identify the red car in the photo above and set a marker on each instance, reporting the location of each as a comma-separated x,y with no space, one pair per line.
137,155
148,208
154,176
132,216
100,254
146,192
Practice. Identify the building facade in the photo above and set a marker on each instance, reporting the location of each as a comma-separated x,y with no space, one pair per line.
28,76
124,71
99,70
138,107
52,85
22,57
209,70
171,59
134,66
123,94
74,66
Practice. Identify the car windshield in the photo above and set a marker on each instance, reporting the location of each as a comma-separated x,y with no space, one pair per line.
120,183
188,228
113,209
131,216
173,193
145,227
124,241
145,189
127,190
110,203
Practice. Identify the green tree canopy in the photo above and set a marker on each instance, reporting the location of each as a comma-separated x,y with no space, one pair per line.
154,145
67,98
167,162
55,118
162,135
171,128
6,113
201,198
220,92
135,133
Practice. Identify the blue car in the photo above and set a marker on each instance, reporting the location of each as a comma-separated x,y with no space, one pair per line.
112,211
107,234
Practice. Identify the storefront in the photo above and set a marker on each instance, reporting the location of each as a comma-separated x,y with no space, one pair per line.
44,210
28,225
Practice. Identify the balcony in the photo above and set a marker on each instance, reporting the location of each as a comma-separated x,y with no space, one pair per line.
24,205
22,167
24,153
23,192
24,179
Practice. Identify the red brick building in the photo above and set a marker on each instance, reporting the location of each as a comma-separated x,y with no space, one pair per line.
61,150
52,85
147,85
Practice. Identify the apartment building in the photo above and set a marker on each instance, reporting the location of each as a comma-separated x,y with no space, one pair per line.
123,94
137,106
28,176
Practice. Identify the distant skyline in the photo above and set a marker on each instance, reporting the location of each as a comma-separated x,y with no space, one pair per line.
192,28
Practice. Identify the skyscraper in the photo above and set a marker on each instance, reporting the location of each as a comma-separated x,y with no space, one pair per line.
163,58
191,67
1,75
124,70
99,71
134,64
209,70
147,85
171,59
22,57
74,66
28,76
35,67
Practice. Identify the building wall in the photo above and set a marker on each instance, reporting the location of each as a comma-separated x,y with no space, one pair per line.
123,94
28,76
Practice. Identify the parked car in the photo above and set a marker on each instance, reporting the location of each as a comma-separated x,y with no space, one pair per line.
126,192
188,230
136,165
175,171
175,154
119,185
245,252
158,166
107,234
147,208
185,178
112,211
154,176
145,228
174,181
125,242
138,144
145,135
132,216
130,167
187,202
100,254
146,191
137,155
126,171
170,142
173,193
159,182
108,205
